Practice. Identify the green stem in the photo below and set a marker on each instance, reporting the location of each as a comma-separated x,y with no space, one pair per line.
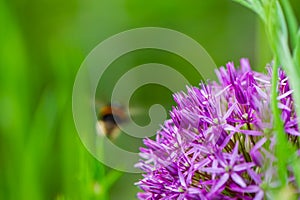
296,53
291,22
296,168
281,145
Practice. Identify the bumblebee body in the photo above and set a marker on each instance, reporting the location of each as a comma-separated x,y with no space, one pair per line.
108,119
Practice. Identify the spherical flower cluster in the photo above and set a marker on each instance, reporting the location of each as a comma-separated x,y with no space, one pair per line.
219,142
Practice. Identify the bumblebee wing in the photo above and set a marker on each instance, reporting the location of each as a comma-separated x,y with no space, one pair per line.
136,112
100,128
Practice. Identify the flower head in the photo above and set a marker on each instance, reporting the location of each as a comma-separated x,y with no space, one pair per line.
219,140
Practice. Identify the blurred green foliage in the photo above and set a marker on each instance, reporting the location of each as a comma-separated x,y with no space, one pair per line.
42,46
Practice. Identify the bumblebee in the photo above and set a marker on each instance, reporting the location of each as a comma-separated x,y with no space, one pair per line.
108,119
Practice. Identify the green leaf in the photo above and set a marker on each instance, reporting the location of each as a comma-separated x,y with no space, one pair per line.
255,6
247,4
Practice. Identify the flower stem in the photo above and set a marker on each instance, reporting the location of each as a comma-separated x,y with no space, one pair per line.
291,21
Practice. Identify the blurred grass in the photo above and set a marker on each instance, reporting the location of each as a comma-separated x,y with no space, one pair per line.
42,46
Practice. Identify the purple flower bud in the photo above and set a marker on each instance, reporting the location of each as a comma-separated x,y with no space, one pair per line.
219,142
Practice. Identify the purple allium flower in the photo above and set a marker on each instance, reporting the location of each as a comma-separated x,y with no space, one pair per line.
219,142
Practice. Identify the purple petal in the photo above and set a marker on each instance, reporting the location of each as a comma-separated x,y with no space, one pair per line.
202,163
215,170
248,189
234,155
229,111
227,139
252,132
284,107
242,167
181,179
292,131
254,176
257,158
245,65
261,92
259,144
145,196
285,95
220,183
237,179
214,165
259,196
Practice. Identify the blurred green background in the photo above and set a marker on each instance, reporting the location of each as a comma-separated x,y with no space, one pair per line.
42,45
